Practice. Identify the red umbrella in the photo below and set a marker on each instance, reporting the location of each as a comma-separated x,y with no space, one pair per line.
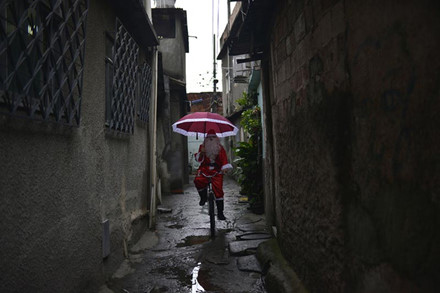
198,123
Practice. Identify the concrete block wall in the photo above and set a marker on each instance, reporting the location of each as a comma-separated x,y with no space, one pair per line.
355,148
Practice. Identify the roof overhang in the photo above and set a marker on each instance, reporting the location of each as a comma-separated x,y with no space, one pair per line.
135,19
234,24
249,29
254,81
177,83
235,116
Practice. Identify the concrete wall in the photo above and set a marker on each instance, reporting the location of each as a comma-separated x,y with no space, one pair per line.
178,158
164,135
58,184
354,102
172,147
173,50
231,92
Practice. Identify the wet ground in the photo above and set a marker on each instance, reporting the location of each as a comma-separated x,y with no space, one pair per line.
179,255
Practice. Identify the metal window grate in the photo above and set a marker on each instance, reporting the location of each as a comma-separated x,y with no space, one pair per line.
125,58
145,92
42,59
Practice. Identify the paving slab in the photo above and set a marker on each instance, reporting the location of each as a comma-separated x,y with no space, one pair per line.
254,228
218,260
148,240
244,247
254,236
248,263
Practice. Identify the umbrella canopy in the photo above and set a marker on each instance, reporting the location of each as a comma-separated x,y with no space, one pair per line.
198,123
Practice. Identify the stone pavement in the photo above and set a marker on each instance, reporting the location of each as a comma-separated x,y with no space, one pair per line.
179,255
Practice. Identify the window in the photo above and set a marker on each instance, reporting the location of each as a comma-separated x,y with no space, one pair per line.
42,59
122,90
164,23
145,82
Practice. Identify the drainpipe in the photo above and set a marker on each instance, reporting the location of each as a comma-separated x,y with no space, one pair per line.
153,151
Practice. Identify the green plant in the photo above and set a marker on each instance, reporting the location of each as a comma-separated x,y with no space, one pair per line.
247,166
249,159
251,121
248,100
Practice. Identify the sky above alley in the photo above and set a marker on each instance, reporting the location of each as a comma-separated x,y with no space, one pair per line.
205,18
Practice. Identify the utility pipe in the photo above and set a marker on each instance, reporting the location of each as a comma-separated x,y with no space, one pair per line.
153,134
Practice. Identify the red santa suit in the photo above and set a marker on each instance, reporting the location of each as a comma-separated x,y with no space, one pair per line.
208,167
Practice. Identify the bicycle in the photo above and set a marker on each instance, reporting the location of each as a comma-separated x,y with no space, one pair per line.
211,203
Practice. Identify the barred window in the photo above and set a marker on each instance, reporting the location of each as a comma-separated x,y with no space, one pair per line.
122,91
145,82
42,59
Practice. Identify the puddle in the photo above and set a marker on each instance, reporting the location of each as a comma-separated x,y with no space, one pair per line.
196,287
173,272
193,240
203,280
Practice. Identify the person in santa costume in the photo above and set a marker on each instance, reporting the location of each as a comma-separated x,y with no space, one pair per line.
212,158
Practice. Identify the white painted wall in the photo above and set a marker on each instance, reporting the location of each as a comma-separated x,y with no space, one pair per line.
193,147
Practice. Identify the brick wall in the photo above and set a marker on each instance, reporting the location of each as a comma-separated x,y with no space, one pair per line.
201,102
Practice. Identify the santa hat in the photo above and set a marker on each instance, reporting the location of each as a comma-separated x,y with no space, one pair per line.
211,133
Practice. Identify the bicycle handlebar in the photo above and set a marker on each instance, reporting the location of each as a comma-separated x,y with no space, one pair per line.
210,176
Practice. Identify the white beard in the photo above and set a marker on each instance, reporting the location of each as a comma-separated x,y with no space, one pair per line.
212,148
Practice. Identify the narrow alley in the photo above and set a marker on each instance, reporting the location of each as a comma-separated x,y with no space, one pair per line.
327,112
179,255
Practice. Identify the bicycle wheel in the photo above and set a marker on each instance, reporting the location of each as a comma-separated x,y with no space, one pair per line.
211,213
